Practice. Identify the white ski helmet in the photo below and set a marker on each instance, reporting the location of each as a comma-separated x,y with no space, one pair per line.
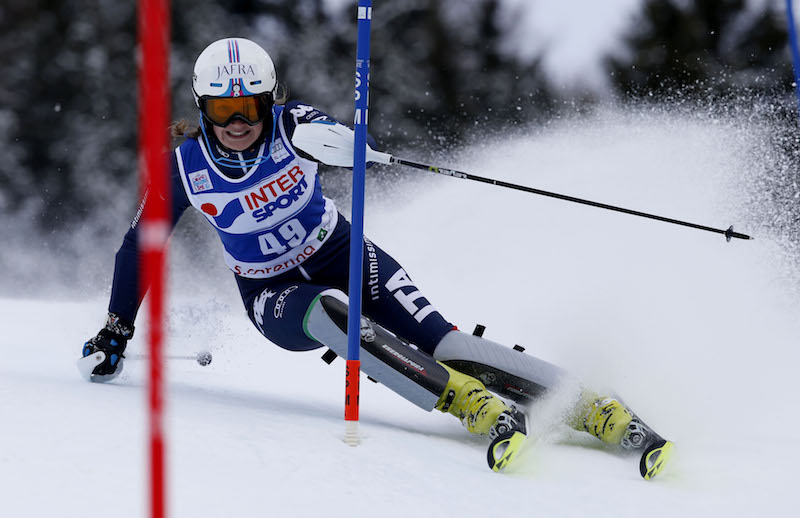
233,67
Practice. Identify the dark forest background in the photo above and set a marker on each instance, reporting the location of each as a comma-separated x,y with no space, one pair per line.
68,106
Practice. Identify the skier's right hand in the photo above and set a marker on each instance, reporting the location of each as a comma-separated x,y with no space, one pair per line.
102,356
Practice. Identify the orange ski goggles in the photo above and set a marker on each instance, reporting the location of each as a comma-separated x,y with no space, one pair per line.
221,111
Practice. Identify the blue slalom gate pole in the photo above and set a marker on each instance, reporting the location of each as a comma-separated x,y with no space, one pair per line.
357,230
795,50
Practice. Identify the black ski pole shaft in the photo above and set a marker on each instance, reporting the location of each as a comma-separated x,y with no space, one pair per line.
729,233
166,357
203,358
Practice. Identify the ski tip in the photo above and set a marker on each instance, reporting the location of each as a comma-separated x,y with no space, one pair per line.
503,449
655,458
87,364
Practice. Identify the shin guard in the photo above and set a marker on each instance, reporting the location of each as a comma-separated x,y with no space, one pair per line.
411,373
505,371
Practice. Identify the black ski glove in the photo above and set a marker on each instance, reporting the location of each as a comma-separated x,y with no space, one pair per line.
111,340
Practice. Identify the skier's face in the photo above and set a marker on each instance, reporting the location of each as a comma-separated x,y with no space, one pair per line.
238,135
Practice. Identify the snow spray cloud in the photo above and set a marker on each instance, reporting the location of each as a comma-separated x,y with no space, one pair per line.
747,146
628,305
762,192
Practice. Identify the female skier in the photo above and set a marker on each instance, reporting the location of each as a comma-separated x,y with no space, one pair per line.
288,248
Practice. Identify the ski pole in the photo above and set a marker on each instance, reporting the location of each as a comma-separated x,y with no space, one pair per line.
332,144
729,233
203,358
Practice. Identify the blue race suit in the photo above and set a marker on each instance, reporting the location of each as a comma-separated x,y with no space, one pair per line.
283,239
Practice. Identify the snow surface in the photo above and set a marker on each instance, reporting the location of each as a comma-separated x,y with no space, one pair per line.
698,335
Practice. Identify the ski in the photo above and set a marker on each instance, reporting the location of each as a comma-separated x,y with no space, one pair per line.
504,448
654,450
654,458
508,437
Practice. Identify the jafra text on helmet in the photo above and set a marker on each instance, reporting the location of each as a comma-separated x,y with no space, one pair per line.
235,71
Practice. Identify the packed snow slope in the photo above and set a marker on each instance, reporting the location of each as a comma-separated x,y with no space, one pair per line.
699,336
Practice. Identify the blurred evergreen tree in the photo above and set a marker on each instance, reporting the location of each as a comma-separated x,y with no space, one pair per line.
68,108
436,69
441,70
66,104
702,47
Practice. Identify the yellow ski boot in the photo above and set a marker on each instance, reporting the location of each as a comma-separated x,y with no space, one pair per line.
467,398
607,419
612,422
483,413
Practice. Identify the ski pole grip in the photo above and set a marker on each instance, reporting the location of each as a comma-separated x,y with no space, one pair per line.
378,157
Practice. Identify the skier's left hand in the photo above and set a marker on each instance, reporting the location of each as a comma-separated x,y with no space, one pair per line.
102,355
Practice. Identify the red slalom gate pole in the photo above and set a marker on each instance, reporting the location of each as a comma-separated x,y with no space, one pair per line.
351,402
154,109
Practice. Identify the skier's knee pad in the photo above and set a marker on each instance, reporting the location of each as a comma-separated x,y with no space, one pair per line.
278,312
503,370
407,371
